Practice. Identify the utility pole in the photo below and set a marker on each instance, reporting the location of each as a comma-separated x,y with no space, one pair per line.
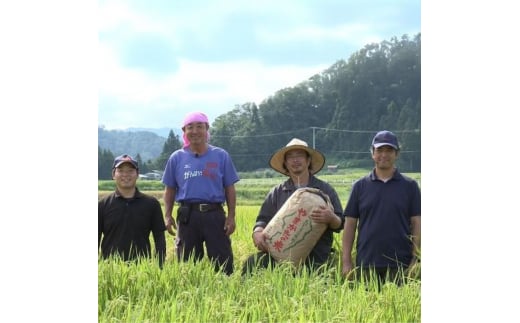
313,137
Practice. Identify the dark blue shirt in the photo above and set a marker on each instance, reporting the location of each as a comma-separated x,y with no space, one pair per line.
383,211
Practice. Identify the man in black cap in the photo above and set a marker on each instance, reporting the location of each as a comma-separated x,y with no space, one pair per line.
387,205
126,217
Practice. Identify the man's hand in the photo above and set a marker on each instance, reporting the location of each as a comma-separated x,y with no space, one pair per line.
348,270
230,226
414,269
259,239
171,226
324,215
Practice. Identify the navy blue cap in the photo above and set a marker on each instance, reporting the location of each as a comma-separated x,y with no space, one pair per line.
125,159
385,138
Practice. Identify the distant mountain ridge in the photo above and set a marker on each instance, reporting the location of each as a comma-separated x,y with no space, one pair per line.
147,142
163,132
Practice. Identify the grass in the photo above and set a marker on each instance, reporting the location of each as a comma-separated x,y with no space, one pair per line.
188,292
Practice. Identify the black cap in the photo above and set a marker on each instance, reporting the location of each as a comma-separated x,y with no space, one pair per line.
125,159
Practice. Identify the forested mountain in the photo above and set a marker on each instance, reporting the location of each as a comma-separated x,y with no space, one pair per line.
145,143
337,111
163,132
106,156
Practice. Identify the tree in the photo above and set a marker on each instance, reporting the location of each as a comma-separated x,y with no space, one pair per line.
105,161
172,144
342,108
143,167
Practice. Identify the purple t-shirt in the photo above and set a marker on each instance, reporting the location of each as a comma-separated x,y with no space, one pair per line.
200,178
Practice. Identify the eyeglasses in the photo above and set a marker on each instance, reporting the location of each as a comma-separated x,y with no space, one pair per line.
295,156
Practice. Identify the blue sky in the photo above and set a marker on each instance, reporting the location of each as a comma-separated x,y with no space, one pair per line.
162,59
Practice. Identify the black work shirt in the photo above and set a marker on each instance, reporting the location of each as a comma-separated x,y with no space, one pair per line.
280,193
126,224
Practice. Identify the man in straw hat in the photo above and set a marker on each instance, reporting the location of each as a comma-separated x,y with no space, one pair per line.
300,163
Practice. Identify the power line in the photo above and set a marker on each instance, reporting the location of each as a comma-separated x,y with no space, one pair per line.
326,129
368,151
368,131
258,136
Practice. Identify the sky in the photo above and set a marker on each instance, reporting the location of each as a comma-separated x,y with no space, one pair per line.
162,59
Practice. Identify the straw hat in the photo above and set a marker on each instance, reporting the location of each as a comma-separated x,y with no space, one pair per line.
278,158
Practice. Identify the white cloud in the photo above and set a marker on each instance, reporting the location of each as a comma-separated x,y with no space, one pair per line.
216,87
215,68
352,33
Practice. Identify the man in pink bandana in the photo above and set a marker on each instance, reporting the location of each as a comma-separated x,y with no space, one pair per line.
191,118
201,178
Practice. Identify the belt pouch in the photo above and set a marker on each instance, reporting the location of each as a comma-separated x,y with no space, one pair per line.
183,214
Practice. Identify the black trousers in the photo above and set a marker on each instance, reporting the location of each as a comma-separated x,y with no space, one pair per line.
205,228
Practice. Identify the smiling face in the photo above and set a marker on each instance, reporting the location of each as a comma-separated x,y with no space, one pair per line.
196,132
297,161
125,176
384,157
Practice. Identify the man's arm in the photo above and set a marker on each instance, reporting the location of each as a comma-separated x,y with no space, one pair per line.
416,237
100,222
169,200
160,246
349,232
231,202
158,228
336,219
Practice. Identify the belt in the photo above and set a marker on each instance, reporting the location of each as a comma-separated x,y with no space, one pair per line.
203,207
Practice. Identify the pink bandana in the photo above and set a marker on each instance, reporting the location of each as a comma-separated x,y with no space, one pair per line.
191,118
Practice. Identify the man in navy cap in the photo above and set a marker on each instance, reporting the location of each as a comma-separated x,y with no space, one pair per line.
126,217
387,205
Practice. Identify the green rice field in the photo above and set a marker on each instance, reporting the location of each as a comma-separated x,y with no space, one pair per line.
193,292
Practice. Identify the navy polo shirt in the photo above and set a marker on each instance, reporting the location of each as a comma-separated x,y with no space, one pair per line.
383,211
